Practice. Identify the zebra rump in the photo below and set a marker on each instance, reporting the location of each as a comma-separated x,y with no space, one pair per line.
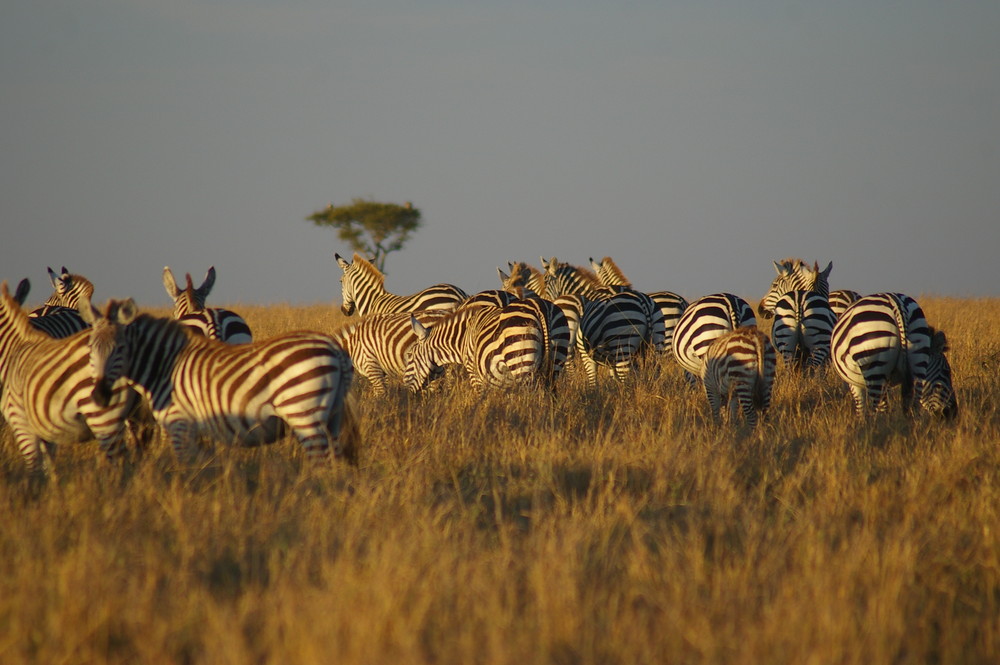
703,321
739,364
803,322
883,340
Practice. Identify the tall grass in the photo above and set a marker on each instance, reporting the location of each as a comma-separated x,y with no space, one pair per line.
598,526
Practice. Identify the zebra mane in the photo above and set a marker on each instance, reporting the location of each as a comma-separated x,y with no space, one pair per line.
607,264
13,315
368,269
585,274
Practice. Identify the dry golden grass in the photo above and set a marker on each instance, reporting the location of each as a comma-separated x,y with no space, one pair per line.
607,525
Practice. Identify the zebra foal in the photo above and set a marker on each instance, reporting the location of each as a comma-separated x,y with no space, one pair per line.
248,394
739,364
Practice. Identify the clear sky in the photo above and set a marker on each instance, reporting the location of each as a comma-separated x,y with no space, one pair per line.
692,141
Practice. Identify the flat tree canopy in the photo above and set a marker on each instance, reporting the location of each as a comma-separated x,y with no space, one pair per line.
370,227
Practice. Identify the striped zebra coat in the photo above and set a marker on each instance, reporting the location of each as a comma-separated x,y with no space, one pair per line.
47,388
531,282
497,347
794,275
702,322
68,291
803,322
210,322
739,364
841,299
56,321
883,340
378,343
670,304
246,394
363,289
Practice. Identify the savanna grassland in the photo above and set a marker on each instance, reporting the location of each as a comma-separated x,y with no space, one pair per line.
603,526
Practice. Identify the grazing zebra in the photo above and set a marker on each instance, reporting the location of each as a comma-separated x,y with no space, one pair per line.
794,275
740,363
47,389
498,347
56,322
801,329
703,321
841,299
670,304
882,340
363,289
210,322
68,291
249,394
377,344
564,279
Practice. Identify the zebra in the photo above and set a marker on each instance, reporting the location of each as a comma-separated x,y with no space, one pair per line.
523,275
363,289
670,304
614,332
377,344
47,388
530,281
210,322
884,339
497,347
793,275
68,291
841,299
702,322
739,363
249,394
801,328
563,279
559,321
57,322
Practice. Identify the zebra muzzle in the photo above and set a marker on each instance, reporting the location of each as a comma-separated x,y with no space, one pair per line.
102,393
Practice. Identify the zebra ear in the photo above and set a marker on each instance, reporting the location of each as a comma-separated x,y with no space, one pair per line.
21,293
126,311
421,332
53,277
344,265
206,286
826,271
169,283
780,268
503,277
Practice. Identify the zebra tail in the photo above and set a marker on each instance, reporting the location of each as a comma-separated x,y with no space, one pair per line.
350,432
759,383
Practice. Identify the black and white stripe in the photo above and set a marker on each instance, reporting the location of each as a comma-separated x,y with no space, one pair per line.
670,304
703,321
248,394
794,275
210,322
363,289
803,322
882,340
841,299
614,332
739,364
56,321
377,344
47,388
68,290
497,347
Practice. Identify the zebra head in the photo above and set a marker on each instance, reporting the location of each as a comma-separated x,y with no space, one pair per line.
68,289
109,352
420,363
794,275
188,299
347,285
937,396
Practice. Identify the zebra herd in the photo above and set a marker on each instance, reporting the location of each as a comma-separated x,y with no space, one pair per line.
71,372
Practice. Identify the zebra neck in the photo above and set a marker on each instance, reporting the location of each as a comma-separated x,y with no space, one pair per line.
156,346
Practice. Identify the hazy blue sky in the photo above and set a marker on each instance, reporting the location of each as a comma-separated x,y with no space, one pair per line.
692,141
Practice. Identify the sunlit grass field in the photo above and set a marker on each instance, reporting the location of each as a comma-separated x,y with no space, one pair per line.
601,526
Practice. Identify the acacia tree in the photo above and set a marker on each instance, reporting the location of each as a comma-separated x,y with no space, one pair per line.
371,228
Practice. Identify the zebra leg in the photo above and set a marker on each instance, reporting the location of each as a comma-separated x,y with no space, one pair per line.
744,395
181,434
589,366
714,400
858,394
